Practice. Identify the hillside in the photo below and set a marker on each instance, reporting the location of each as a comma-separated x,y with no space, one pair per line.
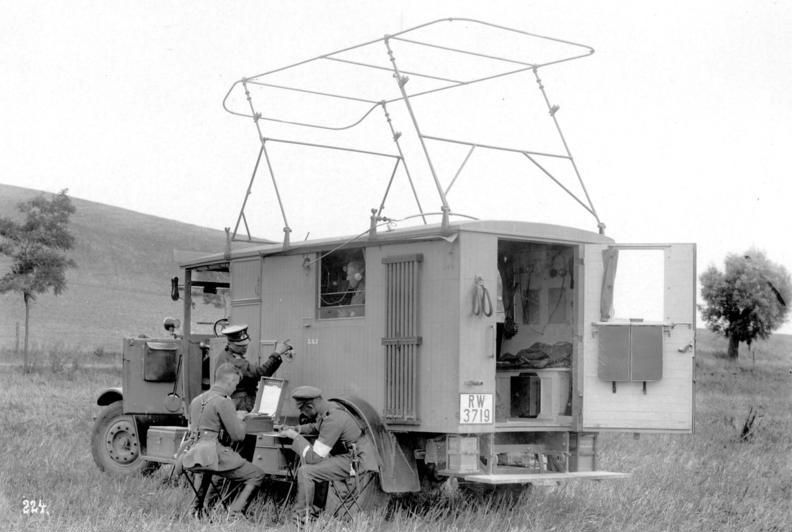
121,286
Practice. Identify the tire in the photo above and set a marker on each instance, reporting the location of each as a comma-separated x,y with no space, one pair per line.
115,444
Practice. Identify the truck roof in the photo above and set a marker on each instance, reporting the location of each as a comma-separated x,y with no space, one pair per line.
529,231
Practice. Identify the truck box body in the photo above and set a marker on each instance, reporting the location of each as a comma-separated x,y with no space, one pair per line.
430,356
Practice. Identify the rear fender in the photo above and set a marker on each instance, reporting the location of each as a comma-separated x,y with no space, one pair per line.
109,396
397,468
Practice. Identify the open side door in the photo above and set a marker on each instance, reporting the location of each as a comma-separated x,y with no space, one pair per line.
246,301
638,372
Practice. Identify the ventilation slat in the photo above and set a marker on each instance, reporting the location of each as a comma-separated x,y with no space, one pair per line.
402,338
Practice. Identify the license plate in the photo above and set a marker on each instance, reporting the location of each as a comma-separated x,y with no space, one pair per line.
475,408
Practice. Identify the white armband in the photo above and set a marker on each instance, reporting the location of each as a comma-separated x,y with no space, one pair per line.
321,449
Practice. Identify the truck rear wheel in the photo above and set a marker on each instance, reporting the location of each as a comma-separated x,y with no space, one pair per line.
115,444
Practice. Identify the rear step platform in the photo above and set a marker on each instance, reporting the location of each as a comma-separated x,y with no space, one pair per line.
542,478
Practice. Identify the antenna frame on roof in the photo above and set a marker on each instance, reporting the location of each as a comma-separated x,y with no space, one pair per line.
401,78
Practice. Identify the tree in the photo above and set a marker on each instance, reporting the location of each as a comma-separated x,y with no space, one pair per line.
748,300
38,249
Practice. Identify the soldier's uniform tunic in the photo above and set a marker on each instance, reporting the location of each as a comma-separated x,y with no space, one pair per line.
244,396
329,458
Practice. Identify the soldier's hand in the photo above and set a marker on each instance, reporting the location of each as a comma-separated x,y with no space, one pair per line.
281,428
290,433
283,347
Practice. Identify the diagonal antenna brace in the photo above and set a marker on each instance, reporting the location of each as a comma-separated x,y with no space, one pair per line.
396,135
247,194
286,228
553,109
262,140
402,81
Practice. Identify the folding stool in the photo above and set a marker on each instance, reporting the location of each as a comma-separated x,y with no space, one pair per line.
349,490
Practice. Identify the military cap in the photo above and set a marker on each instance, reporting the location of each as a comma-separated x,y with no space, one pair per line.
237,334
306,393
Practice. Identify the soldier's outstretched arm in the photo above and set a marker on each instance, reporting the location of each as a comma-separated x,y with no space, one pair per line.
273,362
269,366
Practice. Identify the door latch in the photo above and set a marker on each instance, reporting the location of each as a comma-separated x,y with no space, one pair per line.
686,348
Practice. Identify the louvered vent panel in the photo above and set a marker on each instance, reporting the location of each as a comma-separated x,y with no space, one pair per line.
402,338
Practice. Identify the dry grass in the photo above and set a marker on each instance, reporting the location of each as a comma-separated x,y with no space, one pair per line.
61,358
709,481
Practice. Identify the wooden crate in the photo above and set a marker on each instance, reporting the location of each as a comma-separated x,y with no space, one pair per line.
163,442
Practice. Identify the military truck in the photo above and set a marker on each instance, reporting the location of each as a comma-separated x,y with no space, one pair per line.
487,351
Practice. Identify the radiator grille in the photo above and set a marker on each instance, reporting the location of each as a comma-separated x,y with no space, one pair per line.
402,338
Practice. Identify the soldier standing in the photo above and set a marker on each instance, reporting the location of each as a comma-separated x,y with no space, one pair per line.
330,457
212,415
244,396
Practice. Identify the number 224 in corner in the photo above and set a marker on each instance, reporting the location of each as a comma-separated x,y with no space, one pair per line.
34,507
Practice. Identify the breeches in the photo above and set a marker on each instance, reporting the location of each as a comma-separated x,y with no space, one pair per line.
247,473
329,469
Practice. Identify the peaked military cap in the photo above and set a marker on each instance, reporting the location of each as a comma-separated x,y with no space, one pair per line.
306,393
237,334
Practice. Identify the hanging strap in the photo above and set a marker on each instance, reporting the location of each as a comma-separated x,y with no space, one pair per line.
482,304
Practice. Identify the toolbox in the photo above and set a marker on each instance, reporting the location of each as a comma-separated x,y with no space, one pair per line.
162,442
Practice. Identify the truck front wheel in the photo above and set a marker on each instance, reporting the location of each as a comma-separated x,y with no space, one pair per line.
115,444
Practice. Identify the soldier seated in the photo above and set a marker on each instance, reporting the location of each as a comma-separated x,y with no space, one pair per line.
211,414
330,456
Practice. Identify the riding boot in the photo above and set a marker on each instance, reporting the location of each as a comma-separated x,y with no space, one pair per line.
239,505
198,504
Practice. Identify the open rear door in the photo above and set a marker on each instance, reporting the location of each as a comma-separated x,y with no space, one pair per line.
639,334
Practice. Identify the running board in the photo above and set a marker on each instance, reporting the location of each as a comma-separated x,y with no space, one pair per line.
542,478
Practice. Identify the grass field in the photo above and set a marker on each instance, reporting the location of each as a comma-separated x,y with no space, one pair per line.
708,481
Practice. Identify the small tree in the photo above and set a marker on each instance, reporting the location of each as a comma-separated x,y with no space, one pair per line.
749,300
37,248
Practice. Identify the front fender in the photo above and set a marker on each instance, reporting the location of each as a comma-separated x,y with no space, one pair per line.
398,470
110,396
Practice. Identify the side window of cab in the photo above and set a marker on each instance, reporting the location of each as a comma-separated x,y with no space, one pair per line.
342,284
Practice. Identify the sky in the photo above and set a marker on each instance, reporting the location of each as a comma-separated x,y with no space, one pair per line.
678,122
